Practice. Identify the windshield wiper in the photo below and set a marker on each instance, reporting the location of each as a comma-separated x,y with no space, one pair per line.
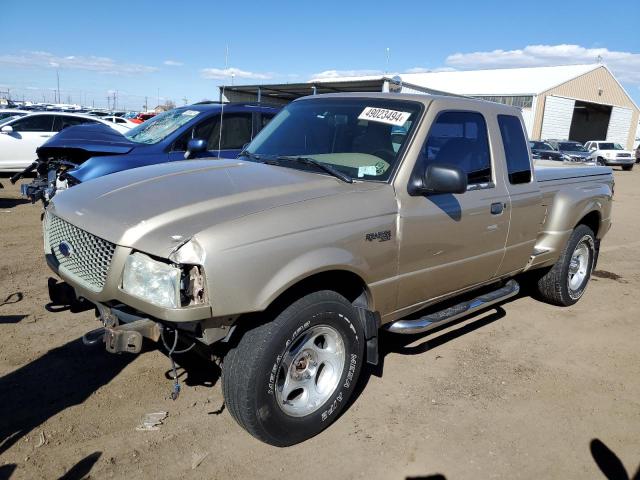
322,166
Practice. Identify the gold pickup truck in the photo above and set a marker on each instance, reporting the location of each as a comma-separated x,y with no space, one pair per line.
347,214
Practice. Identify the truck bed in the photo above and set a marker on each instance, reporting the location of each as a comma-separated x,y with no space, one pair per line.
547,171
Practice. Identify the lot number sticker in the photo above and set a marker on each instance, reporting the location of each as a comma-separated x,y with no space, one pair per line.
384,115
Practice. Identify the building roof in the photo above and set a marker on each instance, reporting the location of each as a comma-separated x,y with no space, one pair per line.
502,81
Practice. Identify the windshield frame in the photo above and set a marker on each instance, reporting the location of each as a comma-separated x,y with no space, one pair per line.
420,107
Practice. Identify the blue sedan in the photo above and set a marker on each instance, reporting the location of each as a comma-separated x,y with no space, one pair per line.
193,131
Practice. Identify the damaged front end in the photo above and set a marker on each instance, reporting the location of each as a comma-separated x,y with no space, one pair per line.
51,177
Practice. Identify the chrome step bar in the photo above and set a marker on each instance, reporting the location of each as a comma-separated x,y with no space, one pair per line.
436,319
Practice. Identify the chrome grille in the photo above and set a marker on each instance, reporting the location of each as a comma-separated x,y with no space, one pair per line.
624,155
88,257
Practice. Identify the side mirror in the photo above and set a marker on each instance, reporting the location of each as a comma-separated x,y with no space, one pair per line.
195,145
439,178
6,129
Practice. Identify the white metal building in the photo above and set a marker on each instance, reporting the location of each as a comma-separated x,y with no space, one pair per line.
578,102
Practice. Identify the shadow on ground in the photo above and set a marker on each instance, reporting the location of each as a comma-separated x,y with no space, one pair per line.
609,463
6,319
82,468
6,203
61,378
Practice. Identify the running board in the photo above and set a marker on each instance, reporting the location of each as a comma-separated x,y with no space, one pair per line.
436,319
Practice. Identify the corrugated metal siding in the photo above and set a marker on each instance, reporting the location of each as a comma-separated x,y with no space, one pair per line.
231,96
558,112
527,116
406,89
619,125
586,87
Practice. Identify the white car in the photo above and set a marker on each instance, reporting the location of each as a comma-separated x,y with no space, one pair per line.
611,154
123,122
20,137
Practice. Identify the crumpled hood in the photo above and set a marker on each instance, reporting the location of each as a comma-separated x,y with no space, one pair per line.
84,141
156,208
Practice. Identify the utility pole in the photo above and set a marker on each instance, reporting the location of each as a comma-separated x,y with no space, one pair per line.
58,79
158,97
185,100
146,104
108,102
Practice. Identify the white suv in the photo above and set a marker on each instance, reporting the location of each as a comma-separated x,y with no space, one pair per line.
611,154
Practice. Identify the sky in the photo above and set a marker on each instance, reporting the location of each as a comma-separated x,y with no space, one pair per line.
182,51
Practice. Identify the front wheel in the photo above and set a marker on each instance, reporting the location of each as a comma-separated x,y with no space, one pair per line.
600,161
627,168
289,379
567,280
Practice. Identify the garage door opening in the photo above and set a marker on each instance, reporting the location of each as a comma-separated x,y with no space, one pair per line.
590,121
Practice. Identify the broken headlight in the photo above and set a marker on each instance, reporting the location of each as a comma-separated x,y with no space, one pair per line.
153,281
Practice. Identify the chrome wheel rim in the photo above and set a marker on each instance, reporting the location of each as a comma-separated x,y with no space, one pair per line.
579,265
310,371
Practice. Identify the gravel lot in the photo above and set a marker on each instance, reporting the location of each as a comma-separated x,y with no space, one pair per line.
521,391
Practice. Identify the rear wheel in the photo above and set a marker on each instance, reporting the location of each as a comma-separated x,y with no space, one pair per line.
289,379
567,280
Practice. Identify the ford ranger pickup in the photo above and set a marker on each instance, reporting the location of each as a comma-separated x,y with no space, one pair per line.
348,214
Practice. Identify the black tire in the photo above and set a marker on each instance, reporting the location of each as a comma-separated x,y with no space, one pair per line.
600,161
627,168
554,286
253,370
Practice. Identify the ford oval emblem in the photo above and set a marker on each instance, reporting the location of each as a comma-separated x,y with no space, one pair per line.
65,249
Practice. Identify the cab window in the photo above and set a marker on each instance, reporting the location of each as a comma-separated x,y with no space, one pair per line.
515,149
460,139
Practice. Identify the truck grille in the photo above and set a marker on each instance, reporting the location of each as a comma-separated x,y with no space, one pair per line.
624,155
86,256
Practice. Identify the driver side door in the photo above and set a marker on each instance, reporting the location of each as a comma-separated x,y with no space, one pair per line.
450,242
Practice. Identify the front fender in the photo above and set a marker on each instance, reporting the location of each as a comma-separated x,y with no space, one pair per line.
306,265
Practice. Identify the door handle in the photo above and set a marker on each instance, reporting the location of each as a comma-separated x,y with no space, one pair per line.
497,208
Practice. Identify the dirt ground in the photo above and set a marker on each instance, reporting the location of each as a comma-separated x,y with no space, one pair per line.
526,390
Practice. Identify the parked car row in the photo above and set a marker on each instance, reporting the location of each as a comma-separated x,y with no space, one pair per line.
597,152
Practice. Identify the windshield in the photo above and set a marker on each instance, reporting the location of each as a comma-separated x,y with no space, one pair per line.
362,137
161,126
4,120
540,146
571,147
5,116
611,146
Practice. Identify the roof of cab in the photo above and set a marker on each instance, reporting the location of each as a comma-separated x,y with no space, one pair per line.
456,102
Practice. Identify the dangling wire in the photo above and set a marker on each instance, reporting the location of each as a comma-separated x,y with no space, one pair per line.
171,352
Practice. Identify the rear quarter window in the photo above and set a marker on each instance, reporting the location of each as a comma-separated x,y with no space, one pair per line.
515,149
